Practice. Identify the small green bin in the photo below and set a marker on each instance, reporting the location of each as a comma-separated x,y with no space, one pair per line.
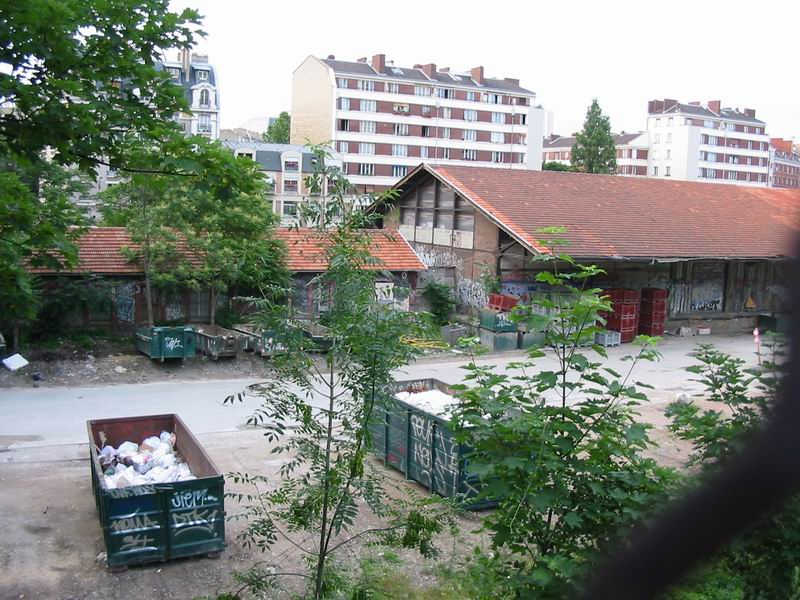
166,342
494,320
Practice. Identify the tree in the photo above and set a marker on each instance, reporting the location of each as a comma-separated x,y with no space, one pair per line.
279,130
594,150
326,481
557,166
561,450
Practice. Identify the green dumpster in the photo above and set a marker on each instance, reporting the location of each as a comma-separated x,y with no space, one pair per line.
259,341
166,342
497,321
215,341
422,446
158,522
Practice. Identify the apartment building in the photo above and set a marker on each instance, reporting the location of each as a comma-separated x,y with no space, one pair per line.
198,79
632,150
784,164
384,120
285,167
706,142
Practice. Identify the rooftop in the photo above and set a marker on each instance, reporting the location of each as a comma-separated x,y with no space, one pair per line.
558,141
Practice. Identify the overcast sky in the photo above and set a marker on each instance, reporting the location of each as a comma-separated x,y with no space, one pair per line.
624,53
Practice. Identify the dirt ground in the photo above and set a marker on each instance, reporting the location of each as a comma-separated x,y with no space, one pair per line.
52,537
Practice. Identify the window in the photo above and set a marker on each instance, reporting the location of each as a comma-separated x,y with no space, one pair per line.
205,99
344,147
470,135
470,114
341,82
709,124
445,92
369,106
498,137
658,122
734,160
669,122
175,73
401,129
291,166
290,186
730,126
669,154
400,108
426,111
498,117
523,119
498,157
446,133
471,96
366,84
367,126
204,123
657,139
493,98
655,171
447,113
711,156
710,173
202,75
423,152
344,103
344,125
399,150
422,90
667,171
366,148
365,169
393,88
426,131
399,171
521,157
445,152
669,138
470,154
289,209
655,154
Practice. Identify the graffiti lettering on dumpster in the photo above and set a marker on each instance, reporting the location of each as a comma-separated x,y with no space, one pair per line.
137,542
132,521
193,499
198,520
129,492
172,343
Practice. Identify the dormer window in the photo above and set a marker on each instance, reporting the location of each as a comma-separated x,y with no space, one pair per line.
202,75
174,72
291,166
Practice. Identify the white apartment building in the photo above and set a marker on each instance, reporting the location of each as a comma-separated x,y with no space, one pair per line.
199,82
385,120
696,142
632,150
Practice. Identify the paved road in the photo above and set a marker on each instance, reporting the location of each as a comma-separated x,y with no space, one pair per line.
31,418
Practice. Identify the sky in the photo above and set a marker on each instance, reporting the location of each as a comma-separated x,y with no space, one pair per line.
623,53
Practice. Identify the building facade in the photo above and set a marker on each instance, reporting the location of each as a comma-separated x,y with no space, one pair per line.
706,142
632,151
198,79
784,164
384,120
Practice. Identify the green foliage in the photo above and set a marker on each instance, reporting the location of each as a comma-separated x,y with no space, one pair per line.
560,450
553,165
719,581
490,281
67,296
278,131
440,299
767,555
326,481
594,150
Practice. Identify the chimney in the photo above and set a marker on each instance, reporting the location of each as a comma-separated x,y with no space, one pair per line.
477,74
429,70
331,57
750,112
655,106
379,63
363,59
185,58
417,66
714,105
200,58
444,70
512,81
669,103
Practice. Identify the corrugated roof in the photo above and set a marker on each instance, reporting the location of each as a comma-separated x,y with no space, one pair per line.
306,250
610,217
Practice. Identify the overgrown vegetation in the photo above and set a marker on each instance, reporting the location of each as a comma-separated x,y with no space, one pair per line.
440,301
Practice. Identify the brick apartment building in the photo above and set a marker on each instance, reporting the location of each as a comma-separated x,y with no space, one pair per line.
632,150
384,120
696,142
784,164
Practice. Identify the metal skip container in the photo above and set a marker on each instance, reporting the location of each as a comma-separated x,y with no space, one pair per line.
166,342
422,445
215,341
158,522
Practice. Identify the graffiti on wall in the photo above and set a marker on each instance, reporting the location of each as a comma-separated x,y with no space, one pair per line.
437,257
471,293
125,301
174,309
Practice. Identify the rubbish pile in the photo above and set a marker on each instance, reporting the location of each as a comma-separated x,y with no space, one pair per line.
430,401
152,461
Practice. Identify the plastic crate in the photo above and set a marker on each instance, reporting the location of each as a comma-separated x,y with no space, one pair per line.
502,302
652,320
653,307
651,329
607,338
627,335
654,294
625,311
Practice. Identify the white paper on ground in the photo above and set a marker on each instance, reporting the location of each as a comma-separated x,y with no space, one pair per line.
14,362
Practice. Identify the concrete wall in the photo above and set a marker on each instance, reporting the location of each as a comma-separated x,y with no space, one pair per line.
312,103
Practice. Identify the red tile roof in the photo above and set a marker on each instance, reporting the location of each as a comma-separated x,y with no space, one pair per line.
611,216
100,252
306,247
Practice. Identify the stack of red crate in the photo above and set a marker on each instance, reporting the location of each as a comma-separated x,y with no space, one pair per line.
625,312
654,311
